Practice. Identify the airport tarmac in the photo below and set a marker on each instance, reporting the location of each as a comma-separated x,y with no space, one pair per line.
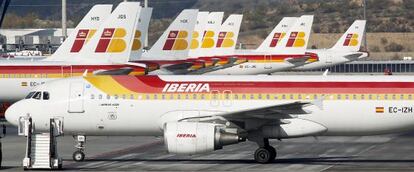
373,153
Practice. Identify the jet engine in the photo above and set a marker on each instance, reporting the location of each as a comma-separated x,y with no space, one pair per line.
194,137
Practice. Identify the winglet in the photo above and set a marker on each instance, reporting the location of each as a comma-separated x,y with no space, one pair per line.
325,73
319,102
85,74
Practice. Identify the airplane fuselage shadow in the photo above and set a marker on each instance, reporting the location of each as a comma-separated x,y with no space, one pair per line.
309,161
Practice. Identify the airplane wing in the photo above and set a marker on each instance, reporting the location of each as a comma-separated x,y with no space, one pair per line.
277,112
281,111
298,61
232,61
353,56
274,114
122,71
181,68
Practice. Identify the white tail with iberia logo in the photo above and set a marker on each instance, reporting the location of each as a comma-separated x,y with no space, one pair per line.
174,43
198,33
352,38
272,41
227,36
81,35
113,40
210,34
140,33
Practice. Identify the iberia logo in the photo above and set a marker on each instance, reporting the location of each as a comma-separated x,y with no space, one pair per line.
83,36
176,40
296,39
136,45
351,39
208,39
276,38
225,39
112,41
194,41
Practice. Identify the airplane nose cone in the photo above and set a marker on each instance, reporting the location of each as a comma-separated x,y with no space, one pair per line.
12,114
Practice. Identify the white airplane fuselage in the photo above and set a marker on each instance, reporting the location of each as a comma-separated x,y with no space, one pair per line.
329,58
97,106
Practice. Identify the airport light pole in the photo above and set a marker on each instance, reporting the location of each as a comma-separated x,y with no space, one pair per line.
146,35
64,31
365,30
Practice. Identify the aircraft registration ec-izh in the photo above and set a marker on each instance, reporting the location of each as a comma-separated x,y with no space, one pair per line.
201,114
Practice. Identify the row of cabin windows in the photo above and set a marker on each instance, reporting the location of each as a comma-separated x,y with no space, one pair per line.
23,75
257,96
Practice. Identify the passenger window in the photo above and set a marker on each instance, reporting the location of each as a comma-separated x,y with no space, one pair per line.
29,95
100,96
45,95
37,95
92,96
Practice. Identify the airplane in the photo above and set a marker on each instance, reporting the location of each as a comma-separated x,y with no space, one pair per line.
201,114
345,50
81,54
277,52
171,49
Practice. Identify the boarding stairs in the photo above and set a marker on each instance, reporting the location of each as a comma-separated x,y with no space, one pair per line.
41,148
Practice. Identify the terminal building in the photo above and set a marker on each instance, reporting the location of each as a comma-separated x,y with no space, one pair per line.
45,40
395,66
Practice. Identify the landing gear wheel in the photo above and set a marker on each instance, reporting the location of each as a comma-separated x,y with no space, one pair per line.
273,153
78,156
262,155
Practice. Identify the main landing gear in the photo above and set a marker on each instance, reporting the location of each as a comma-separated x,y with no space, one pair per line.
79,154
265,153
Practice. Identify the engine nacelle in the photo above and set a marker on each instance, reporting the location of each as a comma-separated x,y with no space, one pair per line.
194,137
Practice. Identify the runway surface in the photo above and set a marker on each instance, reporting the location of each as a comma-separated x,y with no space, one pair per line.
374,153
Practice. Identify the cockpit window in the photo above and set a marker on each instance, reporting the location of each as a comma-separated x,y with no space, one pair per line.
37,95
45,95
29,95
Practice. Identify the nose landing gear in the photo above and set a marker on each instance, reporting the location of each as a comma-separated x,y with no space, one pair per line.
79,154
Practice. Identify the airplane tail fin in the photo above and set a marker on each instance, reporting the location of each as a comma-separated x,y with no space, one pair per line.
210,35
198,33
113,40
227,37
174,43
297,38
351,40
140,33
83,32
277,34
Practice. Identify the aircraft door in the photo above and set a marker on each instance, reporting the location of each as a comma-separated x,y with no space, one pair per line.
76,98
268,61
328,59
227,98
215,98
66,71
